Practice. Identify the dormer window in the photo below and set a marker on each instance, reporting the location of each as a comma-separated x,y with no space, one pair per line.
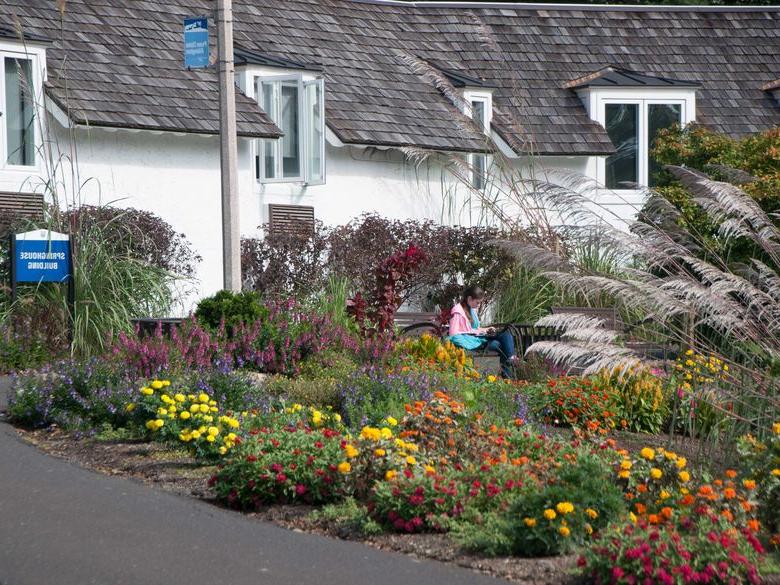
634,108
293,96
479,108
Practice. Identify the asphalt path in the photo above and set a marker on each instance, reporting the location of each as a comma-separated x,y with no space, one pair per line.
61,524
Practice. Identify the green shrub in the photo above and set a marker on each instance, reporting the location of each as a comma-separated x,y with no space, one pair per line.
594,498
348,518
328,364
234,308
320,392
640,398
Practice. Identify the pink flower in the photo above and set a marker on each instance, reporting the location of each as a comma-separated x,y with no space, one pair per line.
300,489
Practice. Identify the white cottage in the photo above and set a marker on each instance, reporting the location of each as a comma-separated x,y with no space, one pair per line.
336,95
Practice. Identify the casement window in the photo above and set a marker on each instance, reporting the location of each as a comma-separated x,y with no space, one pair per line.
633,126
479,108
18,121
297,106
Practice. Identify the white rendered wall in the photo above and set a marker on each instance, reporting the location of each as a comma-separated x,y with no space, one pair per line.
177,177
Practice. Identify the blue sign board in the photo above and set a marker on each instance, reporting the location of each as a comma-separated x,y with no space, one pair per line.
196,42
42,256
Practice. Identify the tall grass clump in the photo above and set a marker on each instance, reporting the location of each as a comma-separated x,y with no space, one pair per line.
705,306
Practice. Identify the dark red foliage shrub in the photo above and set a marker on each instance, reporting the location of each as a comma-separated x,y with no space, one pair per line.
389,278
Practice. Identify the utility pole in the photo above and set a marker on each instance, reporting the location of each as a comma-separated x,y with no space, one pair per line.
231,236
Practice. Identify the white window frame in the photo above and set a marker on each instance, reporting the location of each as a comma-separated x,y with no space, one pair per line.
486,98
37,58
249,78
277,80
596,100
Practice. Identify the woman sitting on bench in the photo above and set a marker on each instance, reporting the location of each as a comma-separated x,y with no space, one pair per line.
465,330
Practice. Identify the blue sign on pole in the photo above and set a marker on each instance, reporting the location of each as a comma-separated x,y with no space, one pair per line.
42,256
196,42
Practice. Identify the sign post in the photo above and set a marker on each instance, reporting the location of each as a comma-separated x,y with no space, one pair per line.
196,54
43,256
196,42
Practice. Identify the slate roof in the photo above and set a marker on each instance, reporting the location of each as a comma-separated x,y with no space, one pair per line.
124,64
119,64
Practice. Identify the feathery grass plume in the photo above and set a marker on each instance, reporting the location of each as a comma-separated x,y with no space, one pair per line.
691,299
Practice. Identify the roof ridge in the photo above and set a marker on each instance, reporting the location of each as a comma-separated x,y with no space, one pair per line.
563,6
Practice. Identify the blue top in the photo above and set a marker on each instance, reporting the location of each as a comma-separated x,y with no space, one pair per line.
466,340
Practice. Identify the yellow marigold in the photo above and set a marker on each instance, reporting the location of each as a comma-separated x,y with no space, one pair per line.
776,472
130,407
391,421
776,428
591,513
185,415
203,397
386,433
491,378
647,453
530,522
222,450
196,434
564,531
213,431
550,514
429,469
670,455
664,495
350,451
370,433
625,464
588,529
210,438
684,476
156,384
750,484
564,507
656,473
344,467
390,474
632,517
624,474
411,460
681,462
380,452
146,391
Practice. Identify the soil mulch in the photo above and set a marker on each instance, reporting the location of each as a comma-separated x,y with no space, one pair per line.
173,470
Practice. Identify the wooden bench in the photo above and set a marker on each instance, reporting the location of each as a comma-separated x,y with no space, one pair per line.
147,326
608,315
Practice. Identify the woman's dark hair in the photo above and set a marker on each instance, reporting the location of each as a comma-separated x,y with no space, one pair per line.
474,292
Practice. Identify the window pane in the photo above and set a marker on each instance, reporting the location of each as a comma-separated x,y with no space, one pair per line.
478,164
659,116
314,131
291,160
268,103
478,113
622,124
20,110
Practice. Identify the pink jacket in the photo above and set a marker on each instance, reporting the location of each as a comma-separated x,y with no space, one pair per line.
460,322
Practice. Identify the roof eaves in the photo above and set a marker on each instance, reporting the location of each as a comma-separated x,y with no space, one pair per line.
246,57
